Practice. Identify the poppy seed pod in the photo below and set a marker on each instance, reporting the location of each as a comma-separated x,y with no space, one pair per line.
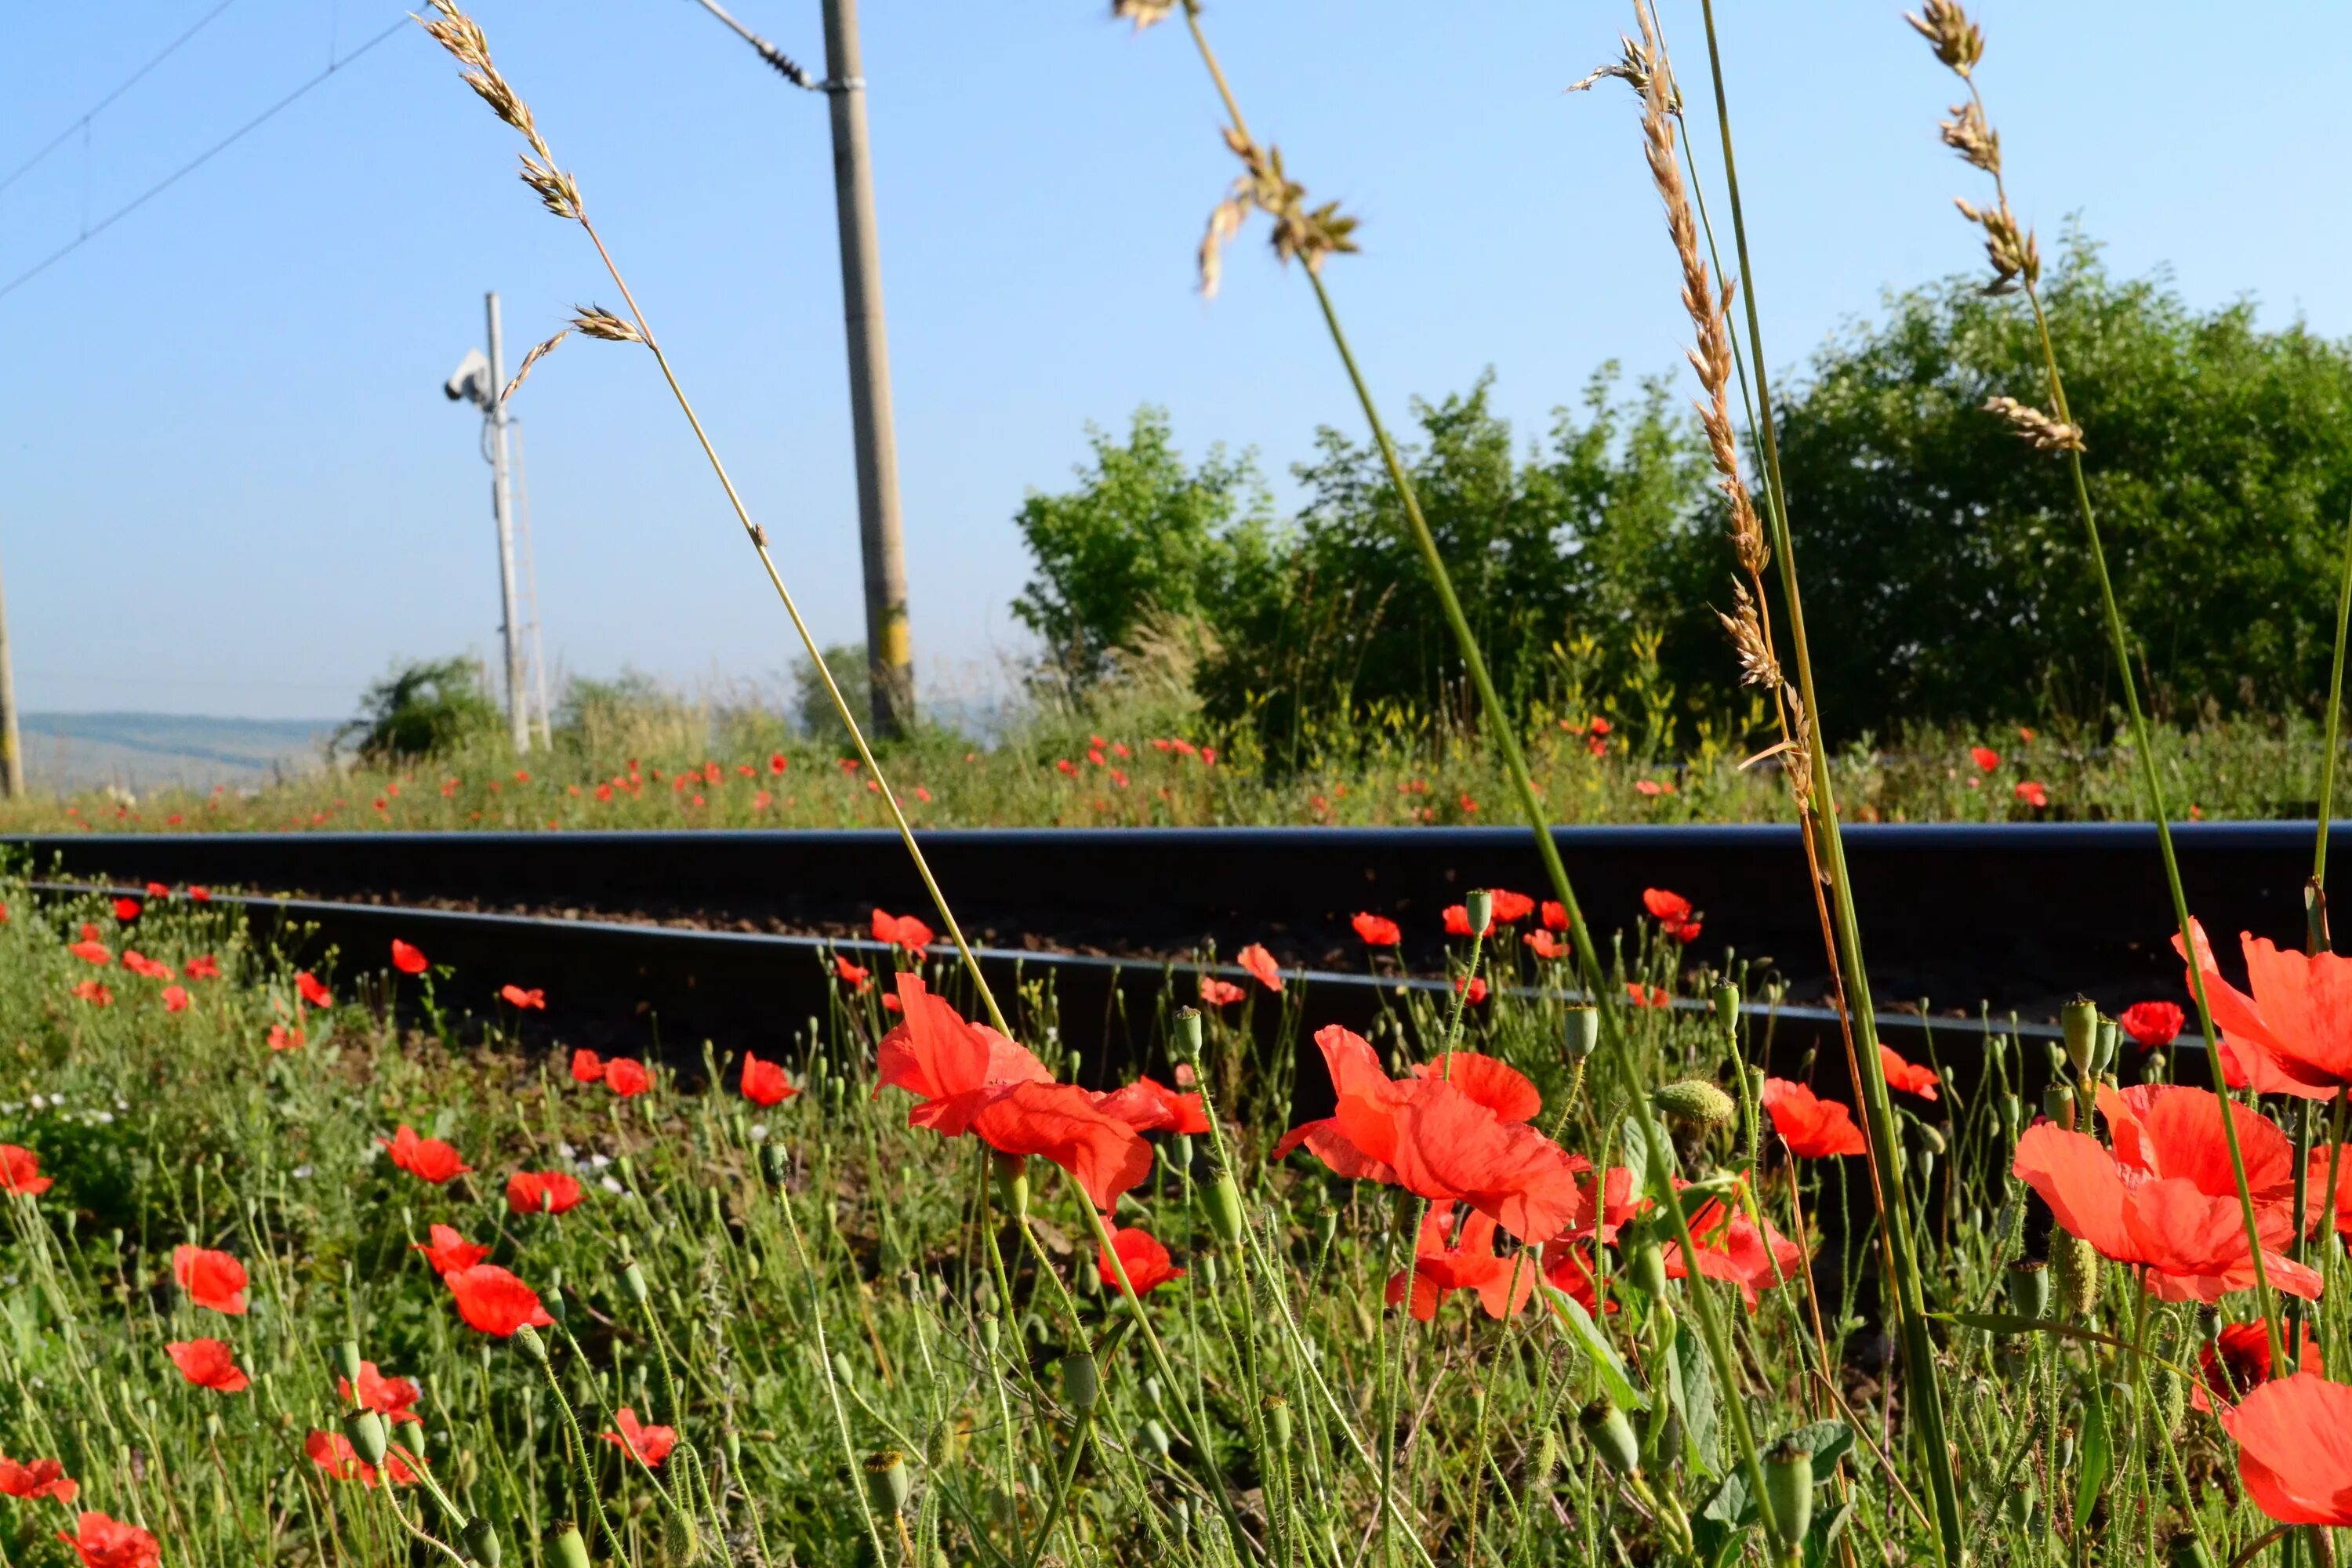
888,1484
1725,998
2111,1035
2073,1273
571,1552
1225,1208
528,1338
1648,1269
369,1439
2058,1104
347,1355
482,1544
1479,905
1788,1483
2079,1020
1611,1436
1583,1034
2026,1283
1698,1102
1081,1381
774,1164
991,1333
1188,1035
1013,1183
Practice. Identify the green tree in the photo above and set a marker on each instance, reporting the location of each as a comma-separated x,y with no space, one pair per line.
421,710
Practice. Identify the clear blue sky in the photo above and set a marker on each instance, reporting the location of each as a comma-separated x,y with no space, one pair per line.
230,484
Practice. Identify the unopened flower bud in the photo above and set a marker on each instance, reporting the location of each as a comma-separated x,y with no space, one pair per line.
527,1338
991,1333
482,1542
632,1281
1013,1183
2058,1104
1788,1483
1081,1381
1090,1278
841,1371
557,1306
2073,1273
571,1552
1277,1419
1698,1102
2026,1283
1180,1151
1611,1436
681,1538
1583,1033
1188,1035
2079,1020
347,1355
1649,1269
369,1438
1209,1271
1479,905
1155,1437
1726,997
888,1484
1225,1208
774,1164
2110,1039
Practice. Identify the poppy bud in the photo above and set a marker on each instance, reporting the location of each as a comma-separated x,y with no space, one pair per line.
841,1373
213,1427
1611,1436
571,1552
482,1544
1152,1392
2058,1104
1188,1035
1179,1514
1081,1381
1479,905
1327,1225
1649,1269
2080,1019
557,1307
2018,1503
1726,997
369,1439
2012,1114
1931,1138
1013,1183
774,1164
1583,1033
1698,1102
633,1281
1788,1482
991,1333
681,1541
1277,1419
1090,1278
532,1345
1208,1269
2185,1550
1077,1064
1225,1208
2154,1073
2111,1035
2073,1273
1155,1437
888,1485
2026,1283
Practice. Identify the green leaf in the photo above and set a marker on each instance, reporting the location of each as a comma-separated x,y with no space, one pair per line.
2096,1455
1597,1350
1644,1145
1826,1441
1698,1405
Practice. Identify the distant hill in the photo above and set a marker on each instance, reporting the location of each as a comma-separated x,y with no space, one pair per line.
66,751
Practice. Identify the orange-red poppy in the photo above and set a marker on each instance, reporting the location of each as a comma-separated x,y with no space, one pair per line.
1457,921
587,1066
2295,1448
1910,1078
209,1363
176,998
1813,1127
2293,1034
103,1542
763,1082
542,1191
903,932
949,1065
1672,913
1731,1248
91,951
1472,986
282,1039
448,1251
1148,1106
626,1076
1555,915
428,1159
42,1478
93,992
1510,908
213,1279
312,991
515,997
2033,793
1261,965
1985,757
146,968
495,1301
2152,1025
852,976
1218,993
2237,1361
1443,1264
127,910
1378,930
1061,1122
1147,1263
332,1453
20,1172
394,1398
204,966
1543,945
649,1445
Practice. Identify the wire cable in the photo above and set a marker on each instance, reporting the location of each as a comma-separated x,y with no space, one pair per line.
191,166
93,112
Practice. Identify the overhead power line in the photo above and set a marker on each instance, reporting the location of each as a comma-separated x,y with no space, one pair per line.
93,112
191,166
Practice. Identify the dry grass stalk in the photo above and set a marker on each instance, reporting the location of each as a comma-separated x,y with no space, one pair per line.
598,323
538,351
2046,434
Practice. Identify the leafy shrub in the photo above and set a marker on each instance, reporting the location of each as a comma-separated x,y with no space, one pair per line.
421,710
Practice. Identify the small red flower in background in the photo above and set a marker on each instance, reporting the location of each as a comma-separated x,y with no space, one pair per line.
542,1191
903,930
890,1004
1148,1106
1652,787
428,1159
146,968
1813,1127
1147,1263
2152,1025
627,1077
649,1445
2295,1448
1457,921
127,910
764,1083
201,895
209,1363
515,997
1469,1264
1218,993
158,890
204,966
42,1478
282,1039
449,1252
1985,757
778,762
1261,965
307,984
1672,913
1642,995
213,1279
1472,986
2031,793
1378,930
89,950
2237,1361
20,1172
1543,945
408,959
1555,915
176,998
1911,1078
94,992
1511,908
495,1301
104,1543
332,1453
587,1066
390,1397
852,976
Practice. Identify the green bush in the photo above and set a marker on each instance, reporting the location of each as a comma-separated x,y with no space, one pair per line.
421,710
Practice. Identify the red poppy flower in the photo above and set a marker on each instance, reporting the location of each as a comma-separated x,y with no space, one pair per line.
2031,793
201,895
2293,1034
103,1542
1731,1248
542,1191
1813,1127
1261,965
903,930
1555,915
515,997
649,1445
1218,993
1985,757
495,1301
146,968
406,959
176,998
2162,1130
394,1398
951,1066
1472,985
2237,1361
2192,1241
210,1279
1910,1078
332,1452
91,951
204,966
626,1076
1457,920
93,992
764,1083
852,976
1567,1268
127,910
1543,945
209,1363
587,1066
1148,1106
1642,995
42,1478
2151,1025
1104,1155
312,992
1672,913
20,1172
449,1252
282,1039
778,762
2295,1448
1147,1263
428,1159
1378,930
1441,1266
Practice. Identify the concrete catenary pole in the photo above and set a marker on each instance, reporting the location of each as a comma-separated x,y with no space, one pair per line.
889,643
12,747
502,507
